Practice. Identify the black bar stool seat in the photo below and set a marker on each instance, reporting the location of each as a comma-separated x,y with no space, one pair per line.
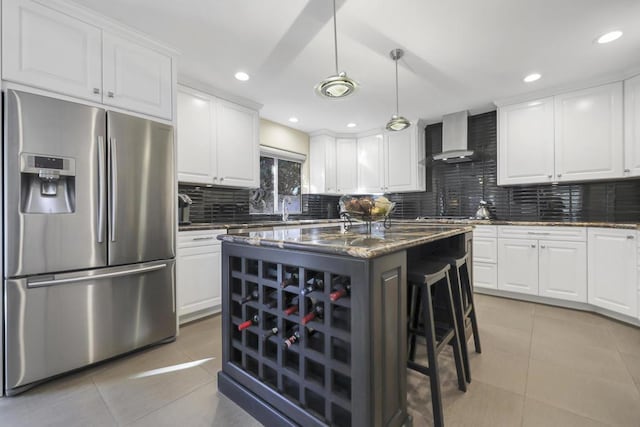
430,285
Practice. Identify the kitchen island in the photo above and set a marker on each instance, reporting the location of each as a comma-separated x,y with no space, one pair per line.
314,320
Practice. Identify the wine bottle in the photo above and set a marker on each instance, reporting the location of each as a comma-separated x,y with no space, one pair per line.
313,284
291,279
292,306
341,291
253,321
295,336
271,332
253,296
317,312
272,304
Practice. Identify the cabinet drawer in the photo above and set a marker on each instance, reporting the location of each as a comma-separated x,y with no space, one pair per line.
485,249
485,231
572,234
188,239
485,275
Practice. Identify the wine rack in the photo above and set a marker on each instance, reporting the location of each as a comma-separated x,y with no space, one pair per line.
315,371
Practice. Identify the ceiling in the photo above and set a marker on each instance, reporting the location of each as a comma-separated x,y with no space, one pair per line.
459,54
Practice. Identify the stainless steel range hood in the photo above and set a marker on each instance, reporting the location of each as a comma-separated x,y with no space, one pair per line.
454,139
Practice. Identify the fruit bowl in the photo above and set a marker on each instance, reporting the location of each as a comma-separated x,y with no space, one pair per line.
366,208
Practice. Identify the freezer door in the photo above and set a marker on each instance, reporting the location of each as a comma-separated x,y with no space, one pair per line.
54,185
54,324
142,200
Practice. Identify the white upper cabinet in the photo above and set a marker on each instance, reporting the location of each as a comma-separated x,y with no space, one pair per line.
526,143
136,78
238,145
62,52
575,136
371,170
632,126
589,133
346,165
50,50
405,160
196,138
612,270
217,141
322,166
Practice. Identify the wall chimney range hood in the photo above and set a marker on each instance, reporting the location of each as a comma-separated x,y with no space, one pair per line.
454,139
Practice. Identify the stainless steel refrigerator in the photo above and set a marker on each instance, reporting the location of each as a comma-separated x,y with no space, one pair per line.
89,245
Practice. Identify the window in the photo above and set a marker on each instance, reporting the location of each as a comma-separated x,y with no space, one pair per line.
280,182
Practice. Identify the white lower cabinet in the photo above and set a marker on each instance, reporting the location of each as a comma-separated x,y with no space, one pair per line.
518,265
613,269
544,261
563,270
485,257
199,273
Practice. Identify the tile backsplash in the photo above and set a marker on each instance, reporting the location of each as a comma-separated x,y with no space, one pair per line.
455,190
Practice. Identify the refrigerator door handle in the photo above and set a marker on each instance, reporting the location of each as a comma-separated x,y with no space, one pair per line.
101,189
114,186
128,272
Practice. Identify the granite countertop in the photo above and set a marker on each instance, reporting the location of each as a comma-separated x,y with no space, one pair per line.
333,239
631,226
198,226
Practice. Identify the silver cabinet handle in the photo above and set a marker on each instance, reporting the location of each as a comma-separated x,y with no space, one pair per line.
110,94
630,237
627,170
203,238
221,178
533,246
101,188
559,175
538,233
96,91
113,155
549,176
542,246
40,283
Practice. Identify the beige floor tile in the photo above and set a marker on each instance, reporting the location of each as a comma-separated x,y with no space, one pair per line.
14,412
550,330
503,338
627,337
599,361
607,401
130,397
538,414
202,407
633,366
500,369
512,314
571,315
484,405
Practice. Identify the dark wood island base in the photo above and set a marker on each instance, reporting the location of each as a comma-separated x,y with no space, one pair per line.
314,335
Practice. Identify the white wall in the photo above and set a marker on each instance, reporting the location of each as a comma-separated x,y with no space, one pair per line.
285,138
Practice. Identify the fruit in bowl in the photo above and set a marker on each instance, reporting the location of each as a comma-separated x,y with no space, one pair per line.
366,207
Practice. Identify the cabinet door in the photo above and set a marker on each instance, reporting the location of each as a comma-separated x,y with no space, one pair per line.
589,141
346,165
526,143
238,149
401,159
612,270
50,50
321,148
632,127
485,275
563,270
485,249
199,276
135,77
370,164
196,138
518,265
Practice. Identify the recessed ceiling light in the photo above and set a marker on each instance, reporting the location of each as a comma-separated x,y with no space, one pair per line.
532,78
351,125
242,76
609,37
293,119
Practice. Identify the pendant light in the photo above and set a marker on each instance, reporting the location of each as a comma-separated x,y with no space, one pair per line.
338,85
397,122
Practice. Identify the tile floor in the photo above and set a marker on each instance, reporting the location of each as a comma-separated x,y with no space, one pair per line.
540,366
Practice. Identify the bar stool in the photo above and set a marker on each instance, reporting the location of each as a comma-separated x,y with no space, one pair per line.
425,278
462,290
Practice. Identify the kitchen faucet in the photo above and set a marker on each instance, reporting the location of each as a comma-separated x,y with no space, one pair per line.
285,208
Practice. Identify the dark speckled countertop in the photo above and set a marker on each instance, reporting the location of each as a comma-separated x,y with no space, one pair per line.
199,226
333,239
